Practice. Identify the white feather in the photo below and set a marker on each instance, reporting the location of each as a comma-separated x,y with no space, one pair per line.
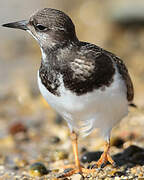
97,109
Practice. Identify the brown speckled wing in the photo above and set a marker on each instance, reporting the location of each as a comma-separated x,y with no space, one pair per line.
82,68
88,72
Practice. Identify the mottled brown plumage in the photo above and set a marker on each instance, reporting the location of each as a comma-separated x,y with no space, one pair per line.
85,67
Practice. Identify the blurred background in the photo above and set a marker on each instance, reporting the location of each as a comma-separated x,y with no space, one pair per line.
28,126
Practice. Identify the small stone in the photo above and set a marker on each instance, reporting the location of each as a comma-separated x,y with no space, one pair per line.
58,120
54,139
133,170
7,142
126,155
91,156
21,163
117,178
38,169
112,172
83,150
141,175
59,155
131,150
55,170
77,177
119,173
117,142
17,127
141,178
68,170
138,158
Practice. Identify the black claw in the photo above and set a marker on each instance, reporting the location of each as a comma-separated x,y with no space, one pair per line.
115,165
64,174
60,176
89,167
80,173
93,166
102,165
67,170
82,177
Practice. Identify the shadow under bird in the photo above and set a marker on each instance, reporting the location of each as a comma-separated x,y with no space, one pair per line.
89,86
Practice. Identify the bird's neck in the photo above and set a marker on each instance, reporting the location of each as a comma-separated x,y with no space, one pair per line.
57,52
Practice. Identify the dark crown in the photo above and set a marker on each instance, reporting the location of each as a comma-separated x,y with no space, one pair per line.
49,19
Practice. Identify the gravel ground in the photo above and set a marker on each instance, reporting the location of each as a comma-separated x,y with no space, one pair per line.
36,144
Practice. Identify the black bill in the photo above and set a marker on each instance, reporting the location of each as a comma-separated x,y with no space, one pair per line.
18,25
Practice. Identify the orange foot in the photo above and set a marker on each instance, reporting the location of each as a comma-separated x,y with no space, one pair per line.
74,170
105,157
77,168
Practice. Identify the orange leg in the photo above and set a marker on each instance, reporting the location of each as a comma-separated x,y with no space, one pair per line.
75,150
77,168
105,156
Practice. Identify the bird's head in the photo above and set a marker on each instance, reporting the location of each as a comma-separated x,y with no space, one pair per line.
48,26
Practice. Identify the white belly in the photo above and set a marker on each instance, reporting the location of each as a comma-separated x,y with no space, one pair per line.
98,109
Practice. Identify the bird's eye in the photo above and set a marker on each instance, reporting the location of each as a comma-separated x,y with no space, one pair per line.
41,27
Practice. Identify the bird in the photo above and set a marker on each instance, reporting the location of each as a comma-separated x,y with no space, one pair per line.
87,85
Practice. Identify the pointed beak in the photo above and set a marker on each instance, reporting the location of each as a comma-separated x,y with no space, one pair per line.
18,25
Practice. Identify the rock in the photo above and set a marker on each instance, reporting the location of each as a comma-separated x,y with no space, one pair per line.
119,173
91,156
83,150
38,169
59,155
17,127
68,170
129,156
138,158
58,120
131,150
117,141
77,177
54,139
7,142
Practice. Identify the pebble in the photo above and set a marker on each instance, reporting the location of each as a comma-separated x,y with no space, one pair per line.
67,170
21,163
59,155
83,150
58,119
91,156
117,142
7,142
17,128
38,169
77,177
131,150
54,139
119,173
138,158
141,178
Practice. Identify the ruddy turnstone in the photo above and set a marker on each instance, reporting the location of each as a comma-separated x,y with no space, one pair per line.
89,86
